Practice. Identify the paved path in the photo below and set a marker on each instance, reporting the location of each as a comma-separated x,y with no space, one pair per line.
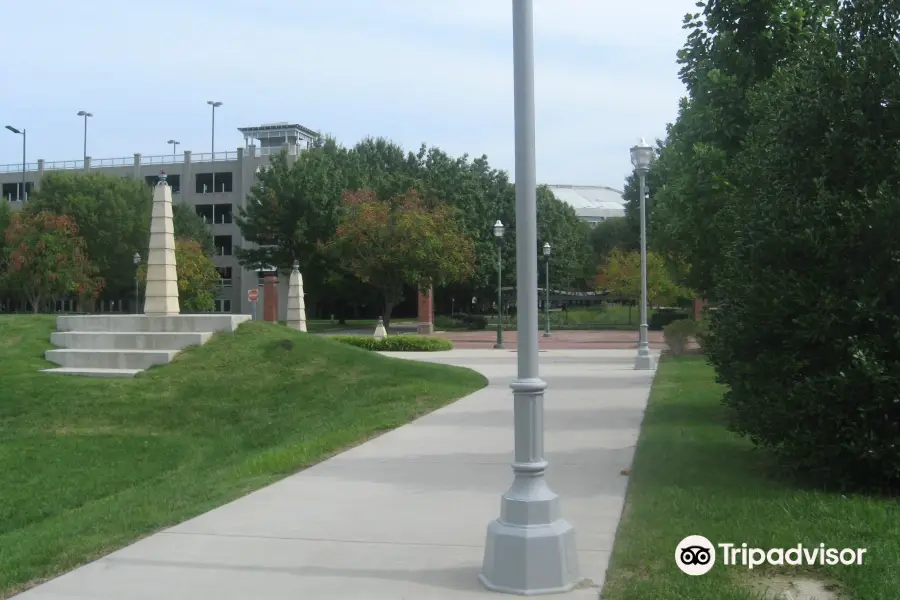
558,340
404,515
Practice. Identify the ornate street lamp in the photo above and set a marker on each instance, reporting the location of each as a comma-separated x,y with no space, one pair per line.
136,259
641,156
547,288
498,235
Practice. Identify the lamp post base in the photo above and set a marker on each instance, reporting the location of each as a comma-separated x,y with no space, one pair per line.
644,362
498,346
530,560
546,334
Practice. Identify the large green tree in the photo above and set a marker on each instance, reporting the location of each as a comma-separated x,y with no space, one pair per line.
732,46
401,241
113,217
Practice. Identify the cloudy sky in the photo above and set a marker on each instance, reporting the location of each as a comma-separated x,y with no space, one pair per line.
433,71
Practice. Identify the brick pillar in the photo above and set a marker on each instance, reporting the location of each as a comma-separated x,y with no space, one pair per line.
426,312
270,298
699,305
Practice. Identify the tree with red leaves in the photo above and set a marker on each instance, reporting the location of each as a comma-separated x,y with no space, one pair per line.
47,259
401,241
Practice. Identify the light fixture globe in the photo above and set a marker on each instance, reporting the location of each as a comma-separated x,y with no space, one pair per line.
136,259
499,229
546,248
641,156
296,265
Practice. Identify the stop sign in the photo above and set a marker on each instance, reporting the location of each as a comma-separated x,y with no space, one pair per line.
253,295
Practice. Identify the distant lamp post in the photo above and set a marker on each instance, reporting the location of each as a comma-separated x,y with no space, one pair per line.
214,106
641,156
85,114
498,235
547,288
174,146
136,259
22,133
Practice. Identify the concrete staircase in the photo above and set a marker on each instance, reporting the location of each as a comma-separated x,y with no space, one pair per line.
125,345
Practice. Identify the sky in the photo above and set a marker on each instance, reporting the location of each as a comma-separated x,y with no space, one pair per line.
413,71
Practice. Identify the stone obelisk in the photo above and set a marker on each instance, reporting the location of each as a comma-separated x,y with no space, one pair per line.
161,296
296,306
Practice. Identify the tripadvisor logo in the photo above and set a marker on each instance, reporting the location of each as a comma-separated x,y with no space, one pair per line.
696,555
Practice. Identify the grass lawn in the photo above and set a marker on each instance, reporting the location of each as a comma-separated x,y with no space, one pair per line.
605,316
89,465
691,477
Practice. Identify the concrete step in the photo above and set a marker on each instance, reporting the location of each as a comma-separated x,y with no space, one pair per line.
109,359
87,372
100,340
142,323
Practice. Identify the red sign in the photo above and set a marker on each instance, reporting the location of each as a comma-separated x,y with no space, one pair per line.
253,295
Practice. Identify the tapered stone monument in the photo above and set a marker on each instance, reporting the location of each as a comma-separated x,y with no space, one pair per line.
161,296
380,331
296,306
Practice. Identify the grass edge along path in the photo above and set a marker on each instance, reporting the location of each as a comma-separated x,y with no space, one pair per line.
88,465
691,476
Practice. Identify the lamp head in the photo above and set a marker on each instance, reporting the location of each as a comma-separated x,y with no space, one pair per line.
136,259
546,248
214,104
499,229
296,265
173,142
641,156
84,113
13,129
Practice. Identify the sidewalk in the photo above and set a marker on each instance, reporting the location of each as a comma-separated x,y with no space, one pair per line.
403,516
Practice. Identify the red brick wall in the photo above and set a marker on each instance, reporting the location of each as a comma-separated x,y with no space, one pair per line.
270,299
426,311
699,305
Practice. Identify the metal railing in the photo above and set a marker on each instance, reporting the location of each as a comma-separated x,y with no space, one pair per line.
210,157
163,159
269,150
62,164
126,161
17,168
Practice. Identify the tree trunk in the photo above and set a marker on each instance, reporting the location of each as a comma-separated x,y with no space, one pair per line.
389,303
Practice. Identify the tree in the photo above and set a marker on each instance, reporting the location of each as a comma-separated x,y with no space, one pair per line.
806,340
733,45
113,217
573,258
189,225
197,276
293,212
621,277
48,260
611,234
402,241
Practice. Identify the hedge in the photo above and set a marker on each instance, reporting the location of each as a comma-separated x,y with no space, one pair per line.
396,343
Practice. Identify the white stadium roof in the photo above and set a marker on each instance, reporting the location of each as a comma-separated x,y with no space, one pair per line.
591,202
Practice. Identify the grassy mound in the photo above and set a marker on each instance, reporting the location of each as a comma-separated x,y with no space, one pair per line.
88,465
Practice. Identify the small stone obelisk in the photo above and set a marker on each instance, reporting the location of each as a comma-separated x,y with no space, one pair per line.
380,331
161,295
296,306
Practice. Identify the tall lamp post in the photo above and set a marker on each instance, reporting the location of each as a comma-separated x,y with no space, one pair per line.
530,549
136,259
22,133
85,114
214,106
641,156
498,235
547,288
174,146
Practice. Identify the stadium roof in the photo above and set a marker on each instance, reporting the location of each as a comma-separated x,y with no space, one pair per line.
591,202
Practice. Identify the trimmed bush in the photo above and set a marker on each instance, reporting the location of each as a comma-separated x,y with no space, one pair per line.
678,333
396,343
461,321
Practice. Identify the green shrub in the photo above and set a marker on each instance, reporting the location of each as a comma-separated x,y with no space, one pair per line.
460,322
472,322
807,338
678,333
703,333
396,343
662,317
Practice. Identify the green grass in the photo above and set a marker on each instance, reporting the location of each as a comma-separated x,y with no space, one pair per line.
89,465
692,477
605,316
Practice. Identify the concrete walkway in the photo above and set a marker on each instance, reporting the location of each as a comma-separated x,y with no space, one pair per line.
404,515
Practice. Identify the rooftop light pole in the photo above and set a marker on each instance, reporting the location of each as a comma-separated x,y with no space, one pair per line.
641,156
214,106
530,549
85,114
22,133
174,146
